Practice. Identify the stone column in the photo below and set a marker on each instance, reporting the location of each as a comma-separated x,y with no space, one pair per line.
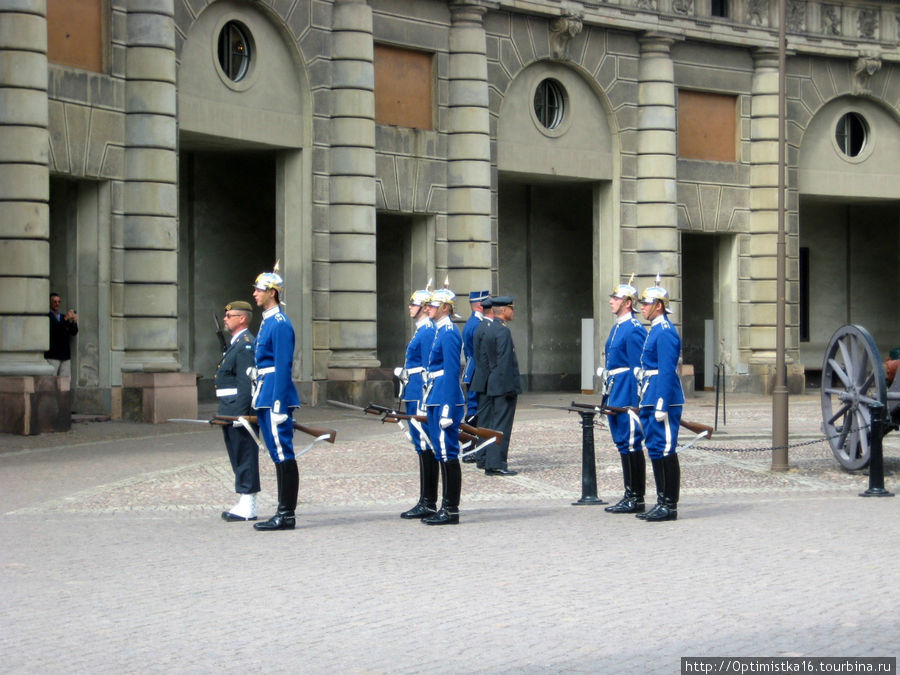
657,241
469,240
758,273
352,298
32,398
144,256
24,188
147,252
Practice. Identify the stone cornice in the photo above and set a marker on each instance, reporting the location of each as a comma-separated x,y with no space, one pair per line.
838,28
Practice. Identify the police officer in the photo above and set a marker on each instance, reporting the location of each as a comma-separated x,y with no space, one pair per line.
482,343
275,396
622,355
417,353
472,323
661,401
445,403
233,392
503,386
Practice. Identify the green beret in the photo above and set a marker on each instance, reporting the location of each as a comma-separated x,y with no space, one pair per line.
240,305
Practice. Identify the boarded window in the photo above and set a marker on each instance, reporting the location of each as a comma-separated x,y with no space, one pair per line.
75,33
707,126
403,87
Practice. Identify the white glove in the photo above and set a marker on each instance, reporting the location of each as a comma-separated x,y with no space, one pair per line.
660,414
278,418
445,422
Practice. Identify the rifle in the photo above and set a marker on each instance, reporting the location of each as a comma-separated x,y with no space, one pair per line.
219,333
318,432
388,414
695,427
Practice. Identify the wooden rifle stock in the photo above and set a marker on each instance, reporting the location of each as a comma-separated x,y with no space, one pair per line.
305,428
389,414
695,427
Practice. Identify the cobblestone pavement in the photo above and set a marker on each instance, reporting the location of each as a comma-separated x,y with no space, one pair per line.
113,556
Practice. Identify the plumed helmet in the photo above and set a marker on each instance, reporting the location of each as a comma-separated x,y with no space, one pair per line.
270,280
422,296
625,290
654,293
443,296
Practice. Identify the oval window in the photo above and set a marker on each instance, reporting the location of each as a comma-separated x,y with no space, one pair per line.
550,103
851,134
234,50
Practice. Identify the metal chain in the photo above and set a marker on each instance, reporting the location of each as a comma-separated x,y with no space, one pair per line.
780,447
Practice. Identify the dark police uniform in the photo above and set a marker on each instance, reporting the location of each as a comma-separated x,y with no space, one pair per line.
233,394
503,387
482,344
469,329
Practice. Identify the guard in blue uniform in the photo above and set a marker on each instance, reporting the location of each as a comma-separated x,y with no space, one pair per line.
413,379
662,399
233,392
622,355
275,395
503,386
472,323
445,403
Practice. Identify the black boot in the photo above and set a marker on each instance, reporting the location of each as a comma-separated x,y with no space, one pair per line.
288,485
669,508
660,478
451,477
428,473
629,503
638,474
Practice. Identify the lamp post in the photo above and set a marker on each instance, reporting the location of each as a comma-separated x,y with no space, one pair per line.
780,392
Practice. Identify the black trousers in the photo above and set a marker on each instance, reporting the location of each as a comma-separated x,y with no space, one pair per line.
503,410
244,455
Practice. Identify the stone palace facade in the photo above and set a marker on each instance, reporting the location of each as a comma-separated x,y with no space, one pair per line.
156,155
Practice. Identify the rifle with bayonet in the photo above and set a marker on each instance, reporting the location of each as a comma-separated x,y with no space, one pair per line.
389,414
219,334
226,420
695,427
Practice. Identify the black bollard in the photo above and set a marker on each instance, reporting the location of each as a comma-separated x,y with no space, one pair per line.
588,464
876,456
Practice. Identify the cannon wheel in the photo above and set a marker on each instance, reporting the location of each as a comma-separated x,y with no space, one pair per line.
852,383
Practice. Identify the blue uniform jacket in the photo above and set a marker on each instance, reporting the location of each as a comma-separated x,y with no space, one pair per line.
275,347
623,350
469,344
417,352
445,356
661,351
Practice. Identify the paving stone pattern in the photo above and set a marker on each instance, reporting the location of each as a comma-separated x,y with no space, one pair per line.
113,556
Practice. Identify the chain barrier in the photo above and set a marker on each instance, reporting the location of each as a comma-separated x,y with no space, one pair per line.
767,448
770,448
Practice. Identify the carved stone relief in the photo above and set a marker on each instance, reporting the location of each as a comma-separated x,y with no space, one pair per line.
796,15
867,22
757,13
831,19
683,7
562,30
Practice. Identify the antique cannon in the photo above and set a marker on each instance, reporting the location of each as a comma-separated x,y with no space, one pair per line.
856,387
